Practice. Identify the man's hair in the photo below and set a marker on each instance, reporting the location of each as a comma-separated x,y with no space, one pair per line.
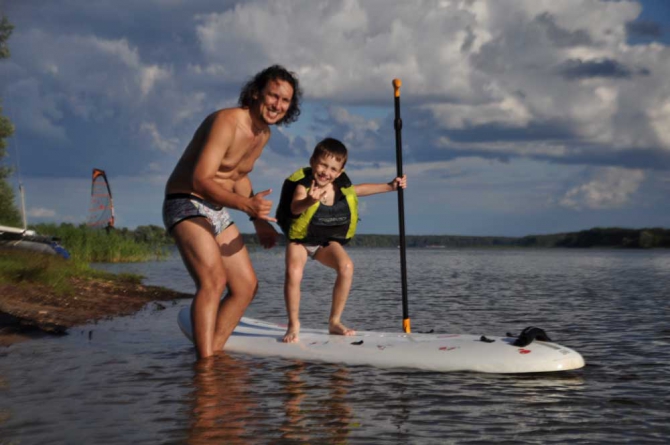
252,91
330,147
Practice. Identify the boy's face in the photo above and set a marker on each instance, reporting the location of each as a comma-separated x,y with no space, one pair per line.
326,169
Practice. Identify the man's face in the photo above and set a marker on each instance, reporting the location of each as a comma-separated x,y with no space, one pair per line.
275,101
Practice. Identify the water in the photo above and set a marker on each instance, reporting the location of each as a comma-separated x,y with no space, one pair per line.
133,379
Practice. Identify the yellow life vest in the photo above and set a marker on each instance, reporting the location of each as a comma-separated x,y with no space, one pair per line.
319,224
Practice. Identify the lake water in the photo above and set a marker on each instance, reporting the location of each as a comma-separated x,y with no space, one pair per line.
134,379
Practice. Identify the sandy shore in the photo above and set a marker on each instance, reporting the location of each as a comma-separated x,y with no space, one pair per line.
30,311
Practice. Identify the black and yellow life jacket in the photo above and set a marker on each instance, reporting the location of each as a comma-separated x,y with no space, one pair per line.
319,224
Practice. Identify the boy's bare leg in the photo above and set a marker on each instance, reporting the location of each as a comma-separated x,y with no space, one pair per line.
335,257
200,253
242,284
296,258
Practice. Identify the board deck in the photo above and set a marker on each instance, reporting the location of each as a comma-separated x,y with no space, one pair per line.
430,352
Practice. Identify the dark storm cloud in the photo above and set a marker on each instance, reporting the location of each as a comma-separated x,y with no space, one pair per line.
100,145
644,28
421,135
575,69
76,84
634,158
150,24
559,36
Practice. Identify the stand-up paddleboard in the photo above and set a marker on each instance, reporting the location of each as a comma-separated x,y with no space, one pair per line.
431,352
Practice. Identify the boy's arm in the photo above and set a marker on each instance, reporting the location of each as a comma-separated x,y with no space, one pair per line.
372,189
302,199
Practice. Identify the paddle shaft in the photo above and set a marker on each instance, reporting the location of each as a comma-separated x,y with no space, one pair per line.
397,124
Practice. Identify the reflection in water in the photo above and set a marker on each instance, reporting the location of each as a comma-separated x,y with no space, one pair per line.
230,406
316,413
223,403
294,426
336,413
295,423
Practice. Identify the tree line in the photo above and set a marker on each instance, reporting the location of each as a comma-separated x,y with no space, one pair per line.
9,213
610,237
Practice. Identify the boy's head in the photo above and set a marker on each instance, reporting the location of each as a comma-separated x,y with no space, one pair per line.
329,147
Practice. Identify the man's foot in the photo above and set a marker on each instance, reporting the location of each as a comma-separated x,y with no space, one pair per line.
291,335
337,328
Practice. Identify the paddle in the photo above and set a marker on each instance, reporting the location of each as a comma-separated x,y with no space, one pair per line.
397,124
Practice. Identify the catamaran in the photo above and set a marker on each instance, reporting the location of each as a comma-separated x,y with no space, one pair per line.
23,238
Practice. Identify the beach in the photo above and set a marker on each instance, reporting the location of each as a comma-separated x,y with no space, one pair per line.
32,310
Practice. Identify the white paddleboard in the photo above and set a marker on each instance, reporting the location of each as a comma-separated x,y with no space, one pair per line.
431,352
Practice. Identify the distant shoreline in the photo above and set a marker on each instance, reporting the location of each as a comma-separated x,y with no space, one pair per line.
647,238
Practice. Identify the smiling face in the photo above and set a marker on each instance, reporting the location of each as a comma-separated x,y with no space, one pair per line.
326,169
274,101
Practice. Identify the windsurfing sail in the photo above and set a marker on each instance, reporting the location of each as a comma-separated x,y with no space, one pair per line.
101,211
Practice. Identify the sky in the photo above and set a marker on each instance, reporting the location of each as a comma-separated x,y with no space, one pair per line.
520,117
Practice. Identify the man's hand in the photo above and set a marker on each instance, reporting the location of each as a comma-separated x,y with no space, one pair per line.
267,235
261,207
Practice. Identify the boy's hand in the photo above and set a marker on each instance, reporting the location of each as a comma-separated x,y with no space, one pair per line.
315,193
399,182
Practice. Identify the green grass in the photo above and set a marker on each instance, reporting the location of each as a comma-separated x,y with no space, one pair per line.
25,268
89,245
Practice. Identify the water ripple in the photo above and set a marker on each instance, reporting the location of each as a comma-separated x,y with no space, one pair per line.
134,380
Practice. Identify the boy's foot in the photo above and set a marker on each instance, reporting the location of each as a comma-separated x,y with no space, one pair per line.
340,329
291,335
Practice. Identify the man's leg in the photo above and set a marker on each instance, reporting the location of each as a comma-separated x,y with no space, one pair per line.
242,284
200,253
296,257
335,257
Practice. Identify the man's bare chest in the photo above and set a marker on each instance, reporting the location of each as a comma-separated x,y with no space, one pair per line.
242,156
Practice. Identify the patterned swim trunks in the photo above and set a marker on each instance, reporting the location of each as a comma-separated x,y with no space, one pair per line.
178,207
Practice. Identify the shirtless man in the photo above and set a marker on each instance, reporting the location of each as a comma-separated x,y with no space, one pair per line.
211,177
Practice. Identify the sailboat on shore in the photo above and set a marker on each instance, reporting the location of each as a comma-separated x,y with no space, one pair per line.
22,238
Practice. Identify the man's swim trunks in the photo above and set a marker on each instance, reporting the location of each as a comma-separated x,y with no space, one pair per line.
178,207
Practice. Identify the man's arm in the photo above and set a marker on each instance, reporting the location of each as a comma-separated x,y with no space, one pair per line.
219,140
267,235
373,189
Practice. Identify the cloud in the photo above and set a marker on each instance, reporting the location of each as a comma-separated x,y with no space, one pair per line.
610,188
472,71
474,66
157,140
122,85
644,28
40,212
31,111
578,69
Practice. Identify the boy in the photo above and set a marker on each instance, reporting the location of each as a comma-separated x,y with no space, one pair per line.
318,212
